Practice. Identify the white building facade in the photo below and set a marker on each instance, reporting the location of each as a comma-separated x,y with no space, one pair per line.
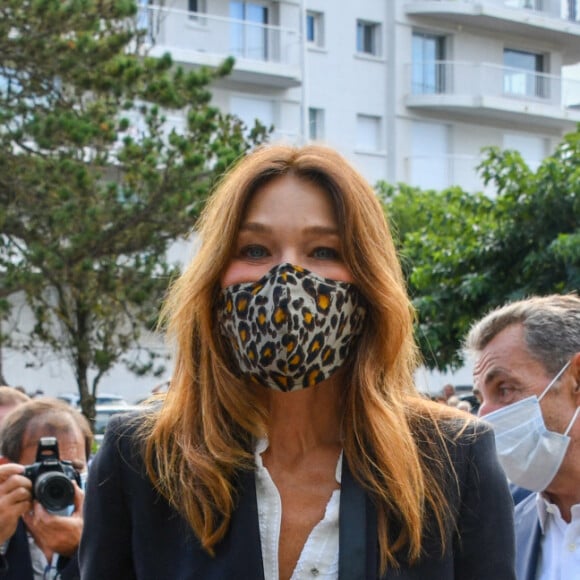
408,90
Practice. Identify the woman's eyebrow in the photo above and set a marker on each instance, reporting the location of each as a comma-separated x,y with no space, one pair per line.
255,227
264,228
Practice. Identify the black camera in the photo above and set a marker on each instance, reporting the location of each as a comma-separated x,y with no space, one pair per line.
52,478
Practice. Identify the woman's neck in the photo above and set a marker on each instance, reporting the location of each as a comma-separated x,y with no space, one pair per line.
302,421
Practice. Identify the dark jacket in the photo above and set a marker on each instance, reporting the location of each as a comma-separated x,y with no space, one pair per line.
132,532
17,565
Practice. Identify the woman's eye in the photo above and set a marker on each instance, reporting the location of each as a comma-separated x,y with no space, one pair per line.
254,252
326,253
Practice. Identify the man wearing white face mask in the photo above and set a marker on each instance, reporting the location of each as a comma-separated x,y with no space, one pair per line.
527,367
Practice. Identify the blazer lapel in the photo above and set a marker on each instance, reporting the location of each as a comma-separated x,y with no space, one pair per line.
357,531
243,542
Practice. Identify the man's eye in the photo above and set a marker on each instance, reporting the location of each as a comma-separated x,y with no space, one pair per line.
254,252
505,392
325,253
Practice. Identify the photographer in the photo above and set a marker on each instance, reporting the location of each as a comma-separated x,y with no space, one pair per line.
36,543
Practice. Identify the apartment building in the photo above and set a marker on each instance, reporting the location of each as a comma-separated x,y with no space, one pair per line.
409,90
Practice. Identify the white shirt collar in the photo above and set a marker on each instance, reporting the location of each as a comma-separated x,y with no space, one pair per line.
548,509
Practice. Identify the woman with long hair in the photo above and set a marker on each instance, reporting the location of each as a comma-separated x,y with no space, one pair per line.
292,442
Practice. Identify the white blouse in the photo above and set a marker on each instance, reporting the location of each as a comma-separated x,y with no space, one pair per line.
319,557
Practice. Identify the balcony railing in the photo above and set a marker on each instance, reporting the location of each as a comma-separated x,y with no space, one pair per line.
196,32
565,10
486,79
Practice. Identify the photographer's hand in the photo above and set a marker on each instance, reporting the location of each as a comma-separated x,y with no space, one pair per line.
15,498
57,534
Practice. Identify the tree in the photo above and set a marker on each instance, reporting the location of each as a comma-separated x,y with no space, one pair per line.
95,184
464,253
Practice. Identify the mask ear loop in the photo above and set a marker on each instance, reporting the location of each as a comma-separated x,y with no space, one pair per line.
562,371
574,416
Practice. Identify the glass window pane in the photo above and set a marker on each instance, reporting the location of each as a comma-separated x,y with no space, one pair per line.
250,38
315,124
428,71
523,74
367,37
310,28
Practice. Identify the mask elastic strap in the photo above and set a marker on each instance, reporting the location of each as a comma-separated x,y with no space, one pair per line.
572,421
562,371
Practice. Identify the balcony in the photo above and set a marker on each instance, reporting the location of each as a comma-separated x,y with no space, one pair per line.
546,20
488,91
265,55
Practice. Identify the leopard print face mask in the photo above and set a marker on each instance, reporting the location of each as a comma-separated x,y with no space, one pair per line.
291,329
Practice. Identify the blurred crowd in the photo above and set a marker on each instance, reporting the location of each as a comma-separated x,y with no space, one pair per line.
469,401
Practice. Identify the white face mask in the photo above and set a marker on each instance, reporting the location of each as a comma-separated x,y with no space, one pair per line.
529,453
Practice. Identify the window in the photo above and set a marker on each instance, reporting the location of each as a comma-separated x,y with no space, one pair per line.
368,133
368,37
248,109
533,149
315,124
430,161
428,64
523,74
528,4
314,28
195,7
249,35
145,19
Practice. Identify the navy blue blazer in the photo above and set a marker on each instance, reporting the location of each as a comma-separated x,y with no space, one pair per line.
131,532
17,565
528,538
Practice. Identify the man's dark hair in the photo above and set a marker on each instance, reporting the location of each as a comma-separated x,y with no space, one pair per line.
40,418
551,328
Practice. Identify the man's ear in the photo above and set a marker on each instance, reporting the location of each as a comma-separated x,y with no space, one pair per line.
575,374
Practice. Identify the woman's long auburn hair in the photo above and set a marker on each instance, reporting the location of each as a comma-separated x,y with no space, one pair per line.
203,433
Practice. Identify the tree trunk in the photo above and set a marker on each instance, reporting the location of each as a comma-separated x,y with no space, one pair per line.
3,381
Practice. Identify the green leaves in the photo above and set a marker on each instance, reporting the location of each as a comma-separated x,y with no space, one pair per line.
95,183
465,253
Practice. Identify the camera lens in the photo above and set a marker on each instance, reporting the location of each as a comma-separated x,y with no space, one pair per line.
54,490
